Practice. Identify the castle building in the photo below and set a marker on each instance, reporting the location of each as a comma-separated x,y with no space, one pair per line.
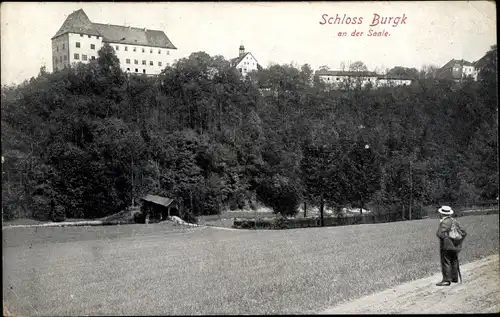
139,50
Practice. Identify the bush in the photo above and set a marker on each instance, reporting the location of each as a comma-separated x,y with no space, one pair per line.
41,208
139,217
58,214
418,211
281,194
280,222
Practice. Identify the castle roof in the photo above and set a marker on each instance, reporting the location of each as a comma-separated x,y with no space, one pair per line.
78,22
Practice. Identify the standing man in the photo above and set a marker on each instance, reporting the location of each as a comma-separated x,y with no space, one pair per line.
449,247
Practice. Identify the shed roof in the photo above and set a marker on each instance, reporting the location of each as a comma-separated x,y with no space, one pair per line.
164,201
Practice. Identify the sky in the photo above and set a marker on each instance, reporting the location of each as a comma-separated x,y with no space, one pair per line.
430,32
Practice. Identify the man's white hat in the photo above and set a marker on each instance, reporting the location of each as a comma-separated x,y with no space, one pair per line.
445,210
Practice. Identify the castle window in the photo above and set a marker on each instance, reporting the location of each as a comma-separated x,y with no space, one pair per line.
143,50
81,35
57,48
77,44
76,56
60,58
117,48
90,36
151,51
97,37
92,46
136,61
151,63
159,51
168,52
128,69
143,62
93,58
127,61
159,63
136,70
64,46
134,49
126,48
144,71
65,58
84,57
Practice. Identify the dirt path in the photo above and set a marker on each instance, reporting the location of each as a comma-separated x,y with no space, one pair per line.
479,293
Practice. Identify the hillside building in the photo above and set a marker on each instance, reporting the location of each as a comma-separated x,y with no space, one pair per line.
337,79
245,62
139,50
458,70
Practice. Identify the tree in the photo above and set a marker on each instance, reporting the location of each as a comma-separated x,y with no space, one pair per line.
403,72
342,66
488,65
323,68
358,66
428,71
281,194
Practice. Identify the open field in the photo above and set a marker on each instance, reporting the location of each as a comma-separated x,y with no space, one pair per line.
163,269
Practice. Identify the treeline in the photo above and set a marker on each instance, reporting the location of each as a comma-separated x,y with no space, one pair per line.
89,141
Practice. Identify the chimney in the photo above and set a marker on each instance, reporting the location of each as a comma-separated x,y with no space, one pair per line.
242,50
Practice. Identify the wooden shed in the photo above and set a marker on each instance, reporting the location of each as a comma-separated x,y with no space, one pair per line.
157,208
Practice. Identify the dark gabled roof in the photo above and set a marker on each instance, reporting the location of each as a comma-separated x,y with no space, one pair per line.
345,73
164,201
453,62
78,22
134,36
235,61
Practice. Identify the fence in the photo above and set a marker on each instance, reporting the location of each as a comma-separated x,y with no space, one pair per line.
283,223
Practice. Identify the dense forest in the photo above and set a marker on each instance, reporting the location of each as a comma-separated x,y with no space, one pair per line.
91,140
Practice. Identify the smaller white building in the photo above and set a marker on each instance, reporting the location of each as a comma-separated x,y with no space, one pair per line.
458,70
338,79
245,62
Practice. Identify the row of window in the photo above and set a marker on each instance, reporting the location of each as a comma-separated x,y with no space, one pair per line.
136,62
92,46
84,57
90,36
76,56
136,70
117,48
61,58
